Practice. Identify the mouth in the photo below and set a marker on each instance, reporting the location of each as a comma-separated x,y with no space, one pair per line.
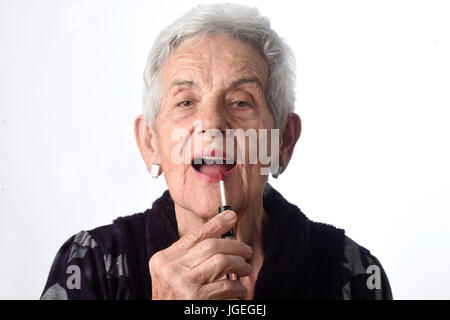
210,168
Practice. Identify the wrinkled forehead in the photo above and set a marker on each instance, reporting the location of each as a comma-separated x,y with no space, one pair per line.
214,59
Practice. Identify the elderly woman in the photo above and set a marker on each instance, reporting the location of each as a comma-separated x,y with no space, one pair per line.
215,76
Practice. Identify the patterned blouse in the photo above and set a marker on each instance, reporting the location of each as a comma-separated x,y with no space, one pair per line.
96,268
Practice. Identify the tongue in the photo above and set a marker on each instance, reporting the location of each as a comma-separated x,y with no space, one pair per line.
214,169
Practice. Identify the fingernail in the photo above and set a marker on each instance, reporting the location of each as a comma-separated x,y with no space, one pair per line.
248,250
230,215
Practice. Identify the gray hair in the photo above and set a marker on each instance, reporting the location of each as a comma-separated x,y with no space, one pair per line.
240,22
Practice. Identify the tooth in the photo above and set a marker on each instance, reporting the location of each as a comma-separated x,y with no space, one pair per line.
211,160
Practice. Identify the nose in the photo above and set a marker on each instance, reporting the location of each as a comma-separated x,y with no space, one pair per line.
211,118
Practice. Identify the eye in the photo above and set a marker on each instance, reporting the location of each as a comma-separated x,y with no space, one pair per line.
185,103
241,104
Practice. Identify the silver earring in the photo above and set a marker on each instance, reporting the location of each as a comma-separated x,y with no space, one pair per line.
278,172
156,169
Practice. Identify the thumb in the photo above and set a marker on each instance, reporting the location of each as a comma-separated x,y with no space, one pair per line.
214,228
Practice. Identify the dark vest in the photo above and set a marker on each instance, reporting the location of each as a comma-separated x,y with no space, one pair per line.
302,259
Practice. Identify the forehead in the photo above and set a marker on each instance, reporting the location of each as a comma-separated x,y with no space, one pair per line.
214,59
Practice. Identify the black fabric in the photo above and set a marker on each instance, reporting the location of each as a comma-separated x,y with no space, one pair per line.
144,234
133,232
302,258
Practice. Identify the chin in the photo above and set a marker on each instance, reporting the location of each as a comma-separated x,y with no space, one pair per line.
203,205
206,213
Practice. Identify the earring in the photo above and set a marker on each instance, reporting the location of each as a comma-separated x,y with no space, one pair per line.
278,172
156,170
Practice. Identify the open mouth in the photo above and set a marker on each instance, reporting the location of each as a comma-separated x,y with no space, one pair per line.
212,166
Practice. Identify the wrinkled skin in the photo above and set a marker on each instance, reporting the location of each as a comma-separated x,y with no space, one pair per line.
202,81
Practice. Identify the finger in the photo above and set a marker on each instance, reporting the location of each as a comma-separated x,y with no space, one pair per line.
214,228
211,246
219,264
223,289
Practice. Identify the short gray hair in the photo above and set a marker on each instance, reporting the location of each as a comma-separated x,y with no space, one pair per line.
240,22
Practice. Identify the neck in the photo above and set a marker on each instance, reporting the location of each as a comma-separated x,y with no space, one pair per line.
248,228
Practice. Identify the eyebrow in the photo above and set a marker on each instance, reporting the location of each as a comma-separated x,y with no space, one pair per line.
179,83
234,84
242,81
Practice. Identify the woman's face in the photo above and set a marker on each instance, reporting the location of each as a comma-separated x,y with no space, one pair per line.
211,83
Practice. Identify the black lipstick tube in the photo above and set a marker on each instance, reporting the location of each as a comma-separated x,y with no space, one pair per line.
230,234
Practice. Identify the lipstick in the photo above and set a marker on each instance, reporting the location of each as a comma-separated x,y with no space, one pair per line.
230,234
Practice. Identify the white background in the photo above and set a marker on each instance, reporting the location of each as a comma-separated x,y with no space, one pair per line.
373,158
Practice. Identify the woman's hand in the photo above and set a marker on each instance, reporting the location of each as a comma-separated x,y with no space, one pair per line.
192,267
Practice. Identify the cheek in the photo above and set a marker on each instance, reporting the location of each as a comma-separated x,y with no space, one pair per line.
173,163
171,169
171,140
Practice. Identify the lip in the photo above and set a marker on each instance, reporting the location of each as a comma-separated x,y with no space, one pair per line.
210,178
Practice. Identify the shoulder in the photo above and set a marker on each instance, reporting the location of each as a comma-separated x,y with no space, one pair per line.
108,238
92,264
363,274
106,241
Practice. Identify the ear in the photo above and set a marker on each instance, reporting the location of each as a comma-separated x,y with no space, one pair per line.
289,137
146,141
